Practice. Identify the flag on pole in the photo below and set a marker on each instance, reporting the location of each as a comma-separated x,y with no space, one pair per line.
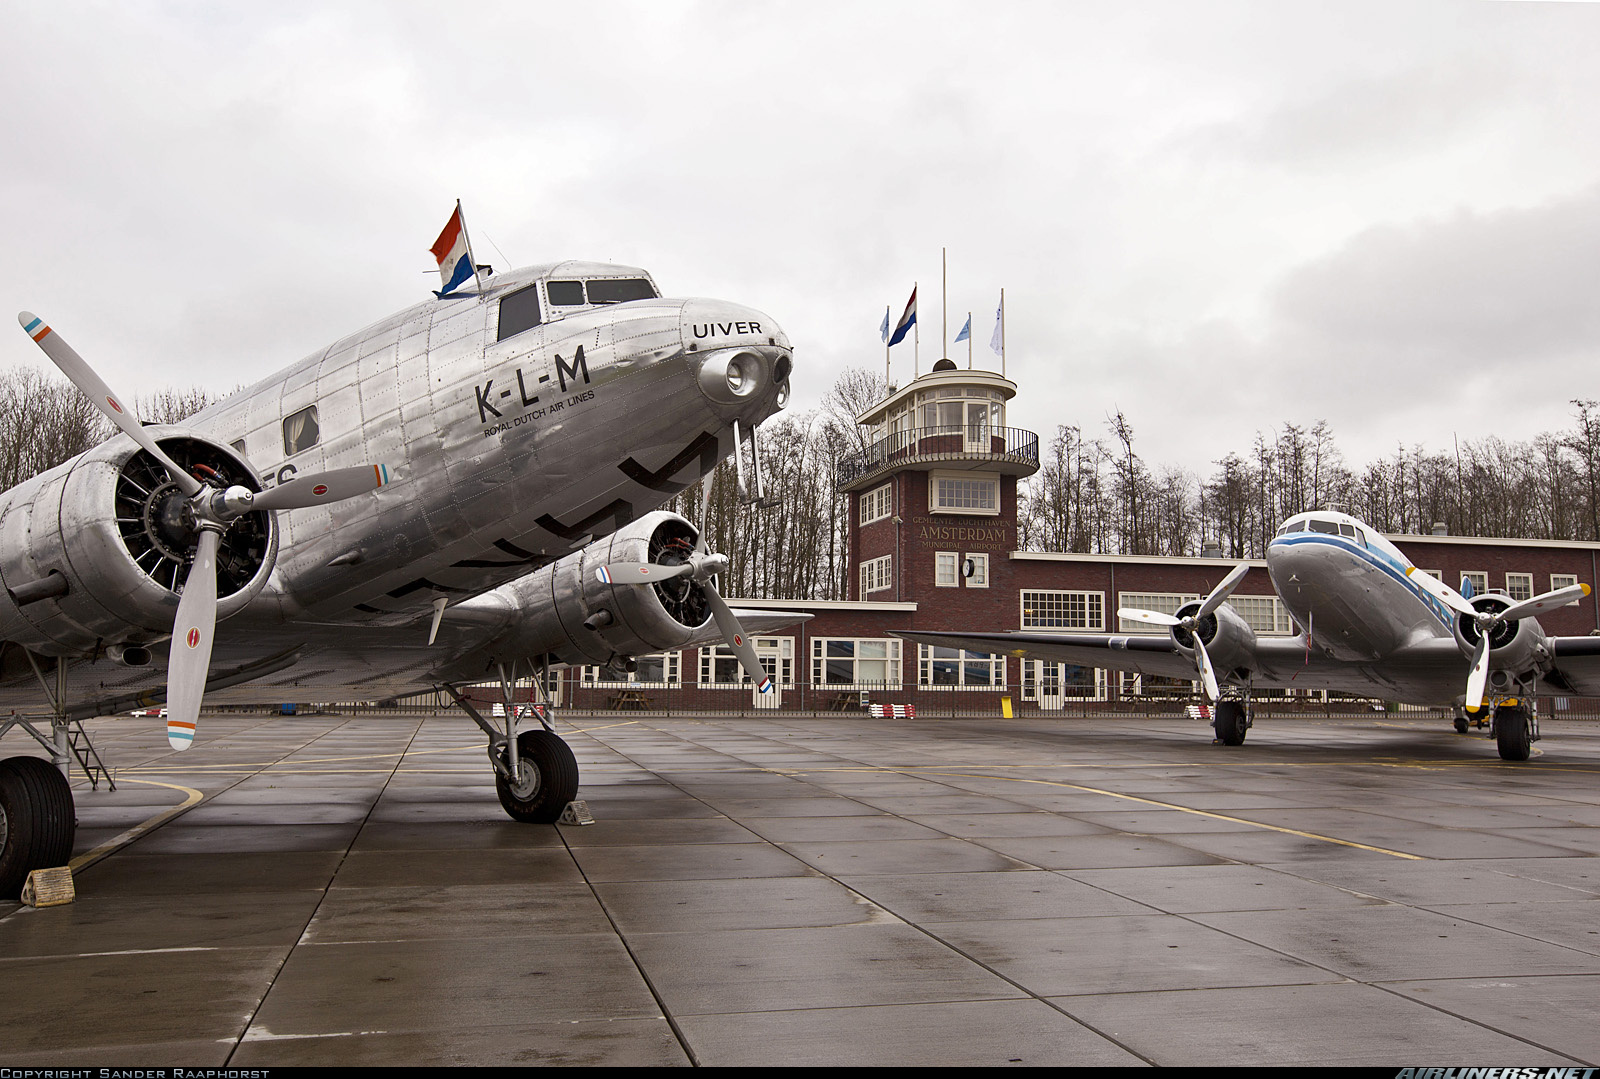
907,320
453,253
997,340
883,331
966,331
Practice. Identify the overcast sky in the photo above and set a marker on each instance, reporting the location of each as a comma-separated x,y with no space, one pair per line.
1216,217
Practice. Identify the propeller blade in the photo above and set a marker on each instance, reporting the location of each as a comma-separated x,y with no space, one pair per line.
734,634
1479,674
322,487
94,388
189,658
1547,602
1208,676
640,572
1155,618
1222,591
1441,592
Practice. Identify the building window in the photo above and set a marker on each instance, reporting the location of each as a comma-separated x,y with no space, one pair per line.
300,431
877,574
720,667
855,664
972,493
1049,683
1519,585
938,666
1564,580
877,504
1162,602
1478,580
1063,610
1264,614
663,670
945,569
979,575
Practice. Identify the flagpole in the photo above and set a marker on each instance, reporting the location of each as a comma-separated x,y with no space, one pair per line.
969,340
944,302
1002,333
467,236
916,341
888,383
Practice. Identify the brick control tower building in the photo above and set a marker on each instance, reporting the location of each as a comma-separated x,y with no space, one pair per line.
933,499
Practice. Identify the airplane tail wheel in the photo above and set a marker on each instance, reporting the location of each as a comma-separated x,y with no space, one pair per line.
36,820
1513,734
547,779
1230,722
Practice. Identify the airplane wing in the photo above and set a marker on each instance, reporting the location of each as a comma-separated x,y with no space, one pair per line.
1577,666
1426,671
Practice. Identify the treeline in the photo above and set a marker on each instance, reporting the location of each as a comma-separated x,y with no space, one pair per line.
1099,495
44,420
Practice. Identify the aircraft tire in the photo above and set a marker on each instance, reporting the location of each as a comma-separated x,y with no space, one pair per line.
1513,735
1461,724
1230,723
555,774
37,820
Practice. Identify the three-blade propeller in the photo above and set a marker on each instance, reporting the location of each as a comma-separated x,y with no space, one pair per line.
702,568
214,509
1190,622
1488,619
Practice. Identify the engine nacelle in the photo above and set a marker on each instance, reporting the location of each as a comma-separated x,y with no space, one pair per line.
95,551
1230,642
580,619
1517,647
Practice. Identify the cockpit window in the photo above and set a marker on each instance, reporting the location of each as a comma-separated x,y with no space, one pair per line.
519,311
1330,528
565,293
1292,526
620,290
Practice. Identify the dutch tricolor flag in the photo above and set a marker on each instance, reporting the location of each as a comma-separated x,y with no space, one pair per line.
907,320
454,254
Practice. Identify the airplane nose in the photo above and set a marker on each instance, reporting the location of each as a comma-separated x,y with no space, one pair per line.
741,358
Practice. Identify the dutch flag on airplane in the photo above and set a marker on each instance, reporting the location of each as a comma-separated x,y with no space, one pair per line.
453,253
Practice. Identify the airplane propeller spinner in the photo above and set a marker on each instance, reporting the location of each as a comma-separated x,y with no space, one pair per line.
214,509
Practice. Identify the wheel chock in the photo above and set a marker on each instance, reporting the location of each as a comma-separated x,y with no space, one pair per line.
577,812
49,887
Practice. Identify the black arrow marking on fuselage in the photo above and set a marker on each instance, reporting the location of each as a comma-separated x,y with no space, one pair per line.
703,447
423,582
522,558
620,511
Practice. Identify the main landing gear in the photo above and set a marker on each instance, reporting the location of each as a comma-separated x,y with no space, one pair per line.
1516,728
1231,718
535,773
36,820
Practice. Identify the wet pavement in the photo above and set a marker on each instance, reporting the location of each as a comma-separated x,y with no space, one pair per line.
803,890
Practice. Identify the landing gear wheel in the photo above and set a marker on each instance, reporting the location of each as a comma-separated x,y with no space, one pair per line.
36,820
1461,724
1230,722
1513,734
547,779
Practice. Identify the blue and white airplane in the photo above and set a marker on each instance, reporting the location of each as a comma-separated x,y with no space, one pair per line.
1369,622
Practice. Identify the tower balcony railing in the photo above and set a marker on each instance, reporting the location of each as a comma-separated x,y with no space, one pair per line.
1008,449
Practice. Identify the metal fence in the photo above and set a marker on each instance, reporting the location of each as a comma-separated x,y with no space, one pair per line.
920,444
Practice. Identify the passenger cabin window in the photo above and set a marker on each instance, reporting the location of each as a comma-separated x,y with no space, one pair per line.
519,311
300,431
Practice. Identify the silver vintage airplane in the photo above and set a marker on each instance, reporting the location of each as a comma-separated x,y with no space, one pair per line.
465,491
1369,623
